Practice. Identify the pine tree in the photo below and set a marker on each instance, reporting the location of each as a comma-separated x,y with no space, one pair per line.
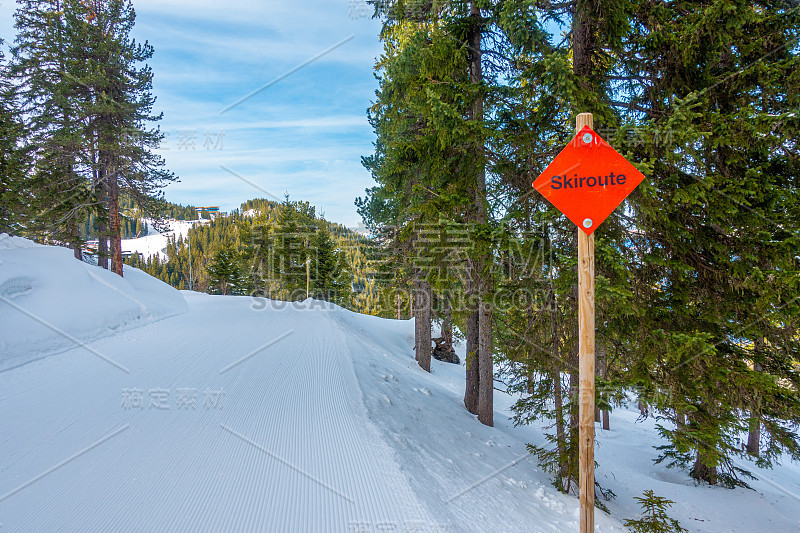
329,274
294,231
119,103
87,103
225,272
426,161
654,516
15,194
717,94
44,65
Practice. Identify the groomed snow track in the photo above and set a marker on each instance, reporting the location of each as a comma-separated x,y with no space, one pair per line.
246,421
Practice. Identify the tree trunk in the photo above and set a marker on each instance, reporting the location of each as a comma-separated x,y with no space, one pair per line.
574,431
485,367
445,340
114,226
480,270
558,401
399,303
602,371
582,47
473,363
561,442
643,410
417,318
702,472
606,421
423,296
102,245
75,236
447,322
102,226
754,436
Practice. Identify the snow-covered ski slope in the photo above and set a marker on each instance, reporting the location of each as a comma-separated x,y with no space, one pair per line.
242,414
154,243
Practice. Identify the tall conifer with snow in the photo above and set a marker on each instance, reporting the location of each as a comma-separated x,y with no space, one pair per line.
430,163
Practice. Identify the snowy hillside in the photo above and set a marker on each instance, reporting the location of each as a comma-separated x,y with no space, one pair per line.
154,242
244,414
49,302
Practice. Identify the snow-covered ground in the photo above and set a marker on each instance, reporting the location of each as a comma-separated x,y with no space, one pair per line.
154,243
242,414
49,302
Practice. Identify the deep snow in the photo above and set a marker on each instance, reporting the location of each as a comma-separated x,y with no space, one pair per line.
240,414
50,302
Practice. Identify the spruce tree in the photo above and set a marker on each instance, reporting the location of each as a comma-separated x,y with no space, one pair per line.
15,194
429,160
553,77
717,96
329,274
654,517
119,103
44,65
224,272
291,248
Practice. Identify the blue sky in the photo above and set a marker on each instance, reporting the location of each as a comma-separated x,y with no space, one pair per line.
304,135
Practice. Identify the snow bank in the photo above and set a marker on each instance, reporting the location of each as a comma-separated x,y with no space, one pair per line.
50,302
471,477
465,472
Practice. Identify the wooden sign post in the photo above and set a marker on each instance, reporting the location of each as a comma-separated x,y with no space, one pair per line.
586,182
586,366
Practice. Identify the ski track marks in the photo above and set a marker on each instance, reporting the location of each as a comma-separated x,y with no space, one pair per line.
289,448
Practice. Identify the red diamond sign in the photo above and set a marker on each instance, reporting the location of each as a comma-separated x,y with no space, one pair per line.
588,180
